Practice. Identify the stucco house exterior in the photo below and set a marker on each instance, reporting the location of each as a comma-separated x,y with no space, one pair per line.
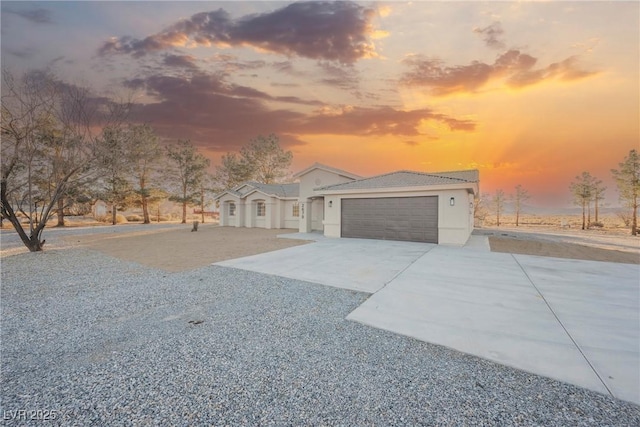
402,205
254,204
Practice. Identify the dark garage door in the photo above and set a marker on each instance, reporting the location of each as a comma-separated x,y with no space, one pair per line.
412,219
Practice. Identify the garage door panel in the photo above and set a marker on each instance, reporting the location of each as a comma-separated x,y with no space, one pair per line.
391,218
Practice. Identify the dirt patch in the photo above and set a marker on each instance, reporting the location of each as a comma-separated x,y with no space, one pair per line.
180,250
560,250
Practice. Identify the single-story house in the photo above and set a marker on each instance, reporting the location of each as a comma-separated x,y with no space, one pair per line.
402,205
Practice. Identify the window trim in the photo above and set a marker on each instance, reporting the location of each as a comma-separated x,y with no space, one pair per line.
295,210
263,205
232,209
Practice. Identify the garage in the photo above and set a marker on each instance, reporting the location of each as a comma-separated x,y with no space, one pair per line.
412,219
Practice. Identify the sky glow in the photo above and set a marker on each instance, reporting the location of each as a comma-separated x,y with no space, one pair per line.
530,93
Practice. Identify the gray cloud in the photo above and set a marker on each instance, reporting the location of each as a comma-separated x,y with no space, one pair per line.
223,116
37,16
27,52
332,31
492,35
345,78
182,61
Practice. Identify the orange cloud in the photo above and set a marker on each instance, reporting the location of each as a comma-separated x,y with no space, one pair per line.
514,68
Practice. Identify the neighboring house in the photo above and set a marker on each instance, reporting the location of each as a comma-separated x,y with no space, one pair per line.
100,208
403,205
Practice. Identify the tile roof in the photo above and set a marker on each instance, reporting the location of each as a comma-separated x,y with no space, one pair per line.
278,190
408,179
317,165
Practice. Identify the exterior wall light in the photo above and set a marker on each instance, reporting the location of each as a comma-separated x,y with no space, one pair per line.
330,203
452,201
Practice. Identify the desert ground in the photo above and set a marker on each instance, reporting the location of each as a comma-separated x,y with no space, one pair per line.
173,247
181,249
564,244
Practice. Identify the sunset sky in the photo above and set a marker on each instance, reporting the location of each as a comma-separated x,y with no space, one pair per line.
530,93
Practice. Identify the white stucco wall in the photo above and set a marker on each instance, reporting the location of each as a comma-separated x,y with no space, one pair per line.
288,220
317,215
312,212
318,178
279,212
251,211
455,223
225,219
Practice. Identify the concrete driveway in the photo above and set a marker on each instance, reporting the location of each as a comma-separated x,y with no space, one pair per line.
571,320
354,264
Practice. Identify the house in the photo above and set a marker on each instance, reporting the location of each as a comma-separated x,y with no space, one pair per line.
402,205
254,204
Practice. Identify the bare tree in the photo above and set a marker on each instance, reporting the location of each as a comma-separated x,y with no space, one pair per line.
479,209
498,204
521,195
624,215
628,181
188,171
47,131
24,104
582,190
598,196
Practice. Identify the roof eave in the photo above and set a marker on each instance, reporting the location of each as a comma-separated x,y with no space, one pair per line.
277,196
219,196
471,186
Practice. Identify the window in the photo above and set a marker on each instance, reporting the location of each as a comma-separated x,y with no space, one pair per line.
232,209
261,209
296,209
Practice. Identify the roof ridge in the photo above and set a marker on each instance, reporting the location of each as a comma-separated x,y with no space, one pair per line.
441,174
476,173
417,173
410,178
329,168
438,174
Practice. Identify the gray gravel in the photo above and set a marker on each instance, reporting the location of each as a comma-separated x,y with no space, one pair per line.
105,342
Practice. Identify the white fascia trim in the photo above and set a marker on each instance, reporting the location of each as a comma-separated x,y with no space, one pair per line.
268,195
224,193
472,188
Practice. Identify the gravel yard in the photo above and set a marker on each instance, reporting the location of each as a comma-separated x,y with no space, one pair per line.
102,341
